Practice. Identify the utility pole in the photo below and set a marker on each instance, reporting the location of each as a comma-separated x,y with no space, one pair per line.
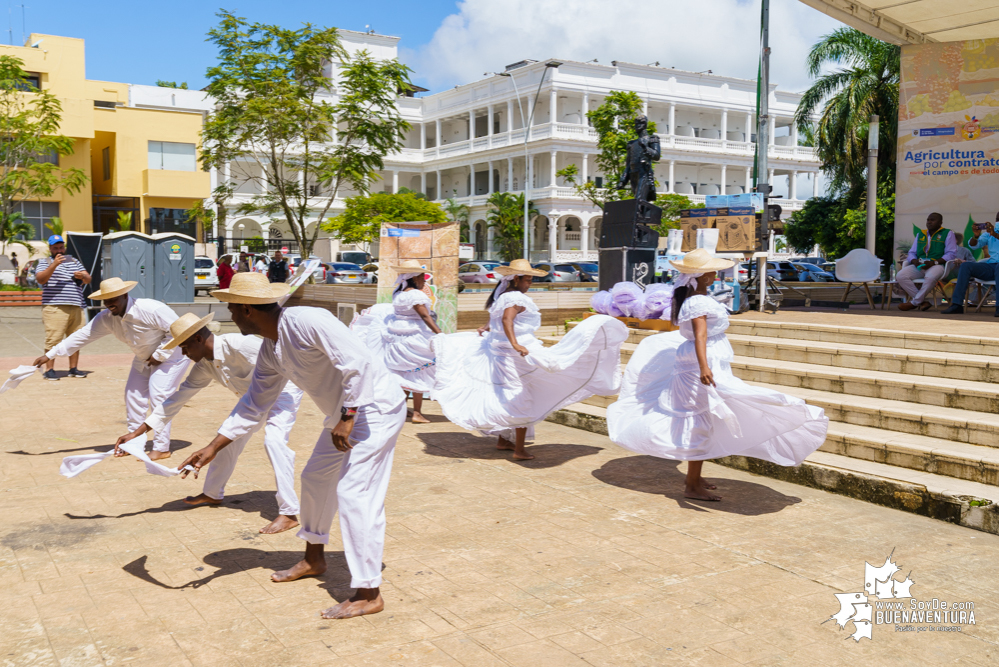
762,151
872,184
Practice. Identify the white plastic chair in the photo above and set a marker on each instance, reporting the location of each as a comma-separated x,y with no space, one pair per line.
985,289
858,267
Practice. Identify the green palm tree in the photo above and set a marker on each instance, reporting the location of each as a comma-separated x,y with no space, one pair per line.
13,229
458,213
56,226
506,218
865,83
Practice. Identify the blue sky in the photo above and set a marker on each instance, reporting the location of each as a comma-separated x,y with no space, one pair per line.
446,42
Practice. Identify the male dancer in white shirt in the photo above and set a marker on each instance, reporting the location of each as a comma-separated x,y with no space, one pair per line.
229,359
144,326
350,466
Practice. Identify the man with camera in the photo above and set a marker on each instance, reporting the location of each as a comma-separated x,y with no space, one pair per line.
986,269
61,277
932,249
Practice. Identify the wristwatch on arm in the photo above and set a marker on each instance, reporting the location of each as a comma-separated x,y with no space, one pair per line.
347,413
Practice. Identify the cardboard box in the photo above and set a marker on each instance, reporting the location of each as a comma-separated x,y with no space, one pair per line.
690,221
751,199
736,229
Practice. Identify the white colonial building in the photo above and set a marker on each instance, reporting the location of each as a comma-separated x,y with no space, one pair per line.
468,142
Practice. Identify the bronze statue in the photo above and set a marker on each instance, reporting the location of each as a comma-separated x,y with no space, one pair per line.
643,152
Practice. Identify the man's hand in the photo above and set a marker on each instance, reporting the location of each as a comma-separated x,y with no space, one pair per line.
198,460
80,275
57,260
143,428
41,360
341,434
153,362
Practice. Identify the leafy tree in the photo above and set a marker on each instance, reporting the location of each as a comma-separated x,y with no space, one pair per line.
361,220
55,225
407,191
614,122
838,229
865,84
14,230
458,213
29,125
506,218
203,215
672,204
278,128
171,84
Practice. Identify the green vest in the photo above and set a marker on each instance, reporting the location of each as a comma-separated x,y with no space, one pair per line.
937,244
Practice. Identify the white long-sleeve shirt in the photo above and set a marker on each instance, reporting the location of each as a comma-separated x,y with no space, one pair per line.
326,360
235,358
145,328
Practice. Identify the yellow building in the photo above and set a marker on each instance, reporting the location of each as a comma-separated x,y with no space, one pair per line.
137,144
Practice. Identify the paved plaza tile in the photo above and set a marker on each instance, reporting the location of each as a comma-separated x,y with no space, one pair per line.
588,556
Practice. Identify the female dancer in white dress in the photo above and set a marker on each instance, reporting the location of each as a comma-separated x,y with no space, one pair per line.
502,380
680,401
399,333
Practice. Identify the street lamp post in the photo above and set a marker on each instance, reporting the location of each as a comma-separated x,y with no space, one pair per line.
872,183
527,122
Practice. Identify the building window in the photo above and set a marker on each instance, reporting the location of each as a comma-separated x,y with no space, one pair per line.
31,82
106,162
172,156
162,220
37,214
51,157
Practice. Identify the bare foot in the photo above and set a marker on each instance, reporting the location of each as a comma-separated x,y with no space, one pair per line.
302,568
156,456
503,443
522,456
420,419
202,499
358,605
282,523
705,484
697,493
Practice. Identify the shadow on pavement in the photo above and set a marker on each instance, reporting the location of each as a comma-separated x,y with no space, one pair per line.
649,474
251,501
232,561
175,445
464,445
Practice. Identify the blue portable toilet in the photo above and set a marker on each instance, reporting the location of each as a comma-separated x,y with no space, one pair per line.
129,256
173,261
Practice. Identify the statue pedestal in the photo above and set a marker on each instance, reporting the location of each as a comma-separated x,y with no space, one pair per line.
627,243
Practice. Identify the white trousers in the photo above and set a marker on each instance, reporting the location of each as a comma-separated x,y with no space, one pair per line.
910,273
353,482
277,432
147,387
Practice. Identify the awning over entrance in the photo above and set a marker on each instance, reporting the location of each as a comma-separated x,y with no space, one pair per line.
916,21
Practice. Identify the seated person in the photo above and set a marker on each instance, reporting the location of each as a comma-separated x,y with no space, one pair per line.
985,269
930,252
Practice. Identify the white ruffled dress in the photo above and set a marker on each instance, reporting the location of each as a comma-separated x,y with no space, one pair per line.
399,336
663,409
484,385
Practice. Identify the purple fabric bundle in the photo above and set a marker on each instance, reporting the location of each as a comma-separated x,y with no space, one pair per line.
658,301
600,302
628,298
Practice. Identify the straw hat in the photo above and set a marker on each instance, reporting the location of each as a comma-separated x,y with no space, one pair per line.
251,288
408,266
701,261
519,267
113,287
186,326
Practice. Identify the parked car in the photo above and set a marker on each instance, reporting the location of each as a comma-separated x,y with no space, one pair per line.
808,260
252,258
810,273
205,276
558,273
8,276
785,271
295,261
589,272
372,271
344,273
478,272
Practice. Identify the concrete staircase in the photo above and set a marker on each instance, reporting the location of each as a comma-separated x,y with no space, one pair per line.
914,417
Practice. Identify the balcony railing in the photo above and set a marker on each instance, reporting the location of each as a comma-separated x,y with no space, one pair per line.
576,132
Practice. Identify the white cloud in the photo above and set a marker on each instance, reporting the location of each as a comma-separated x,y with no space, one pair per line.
696,35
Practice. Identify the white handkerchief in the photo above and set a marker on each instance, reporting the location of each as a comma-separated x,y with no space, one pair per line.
17,375
74,465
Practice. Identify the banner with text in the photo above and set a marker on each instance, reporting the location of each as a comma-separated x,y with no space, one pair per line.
948,136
